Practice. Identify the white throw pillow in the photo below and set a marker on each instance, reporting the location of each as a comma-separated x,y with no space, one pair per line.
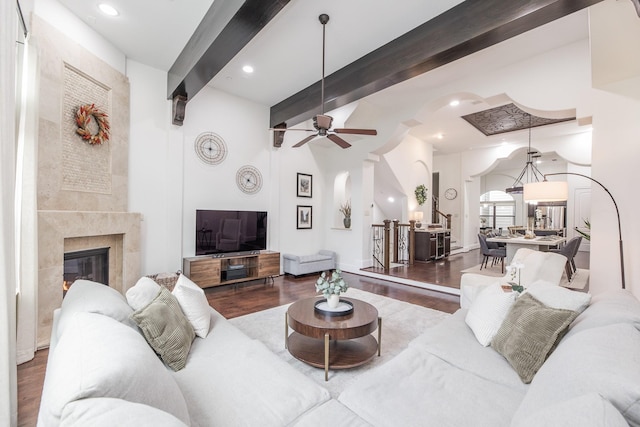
142,293
558,297
194,305
487,312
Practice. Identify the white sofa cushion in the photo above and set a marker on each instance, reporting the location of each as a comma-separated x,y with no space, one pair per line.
166,329
419,389
331,413
589,410
600,360
142,293
110,412
559,297
608,308
487,312
242,383
100,357
452,340
194,304
92,297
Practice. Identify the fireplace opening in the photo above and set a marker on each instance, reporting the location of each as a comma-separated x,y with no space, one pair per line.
91,264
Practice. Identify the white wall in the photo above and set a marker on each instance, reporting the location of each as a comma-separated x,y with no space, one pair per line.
155,170
412,163
71,26
615,144
290,162
243,125
449,168
615,162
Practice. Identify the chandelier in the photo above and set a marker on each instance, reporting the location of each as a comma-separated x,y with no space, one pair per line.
530,172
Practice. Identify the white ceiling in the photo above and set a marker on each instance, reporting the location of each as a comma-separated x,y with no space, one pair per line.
152,32
287,57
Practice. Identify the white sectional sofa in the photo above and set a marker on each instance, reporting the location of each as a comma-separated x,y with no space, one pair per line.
101,372
446,378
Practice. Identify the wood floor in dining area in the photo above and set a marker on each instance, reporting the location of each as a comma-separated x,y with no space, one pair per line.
447,271
233,301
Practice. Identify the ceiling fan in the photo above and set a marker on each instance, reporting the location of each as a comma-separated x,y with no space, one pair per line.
322,122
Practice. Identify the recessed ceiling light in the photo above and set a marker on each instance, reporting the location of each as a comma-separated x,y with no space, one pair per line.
108,9
454,103
439,135
391,199
247,69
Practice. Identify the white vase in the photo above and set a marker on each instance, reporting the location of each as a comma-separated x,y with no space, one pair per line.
333,300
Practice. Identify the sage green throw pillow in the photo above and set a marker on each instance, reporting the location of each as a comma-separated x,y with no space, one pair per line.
529,334
166,329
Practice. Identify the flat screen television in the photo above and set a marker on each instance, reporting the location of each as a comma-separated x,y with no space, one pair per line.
220,232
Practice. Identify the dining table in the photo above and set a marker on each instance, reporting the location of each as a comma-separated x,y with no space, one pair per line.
539,243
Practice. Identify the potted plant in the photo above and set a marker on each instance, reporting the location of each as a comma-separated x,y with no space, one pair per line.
585,234
513,271
421,194
346,211
331,286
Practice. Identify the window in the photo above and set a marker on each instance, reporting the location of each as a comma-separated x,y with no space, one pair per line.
497,210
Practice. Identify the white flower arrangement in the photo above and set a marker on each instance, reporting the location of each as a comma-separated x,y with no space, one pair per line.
513,271
333,285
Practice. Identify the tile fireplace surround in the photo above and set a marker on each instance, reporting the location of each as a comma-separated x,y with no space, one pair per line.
82,189
65,231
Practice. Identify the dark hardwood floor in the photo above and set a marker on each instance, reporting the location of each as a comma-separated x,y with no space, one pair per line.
233,301
444,272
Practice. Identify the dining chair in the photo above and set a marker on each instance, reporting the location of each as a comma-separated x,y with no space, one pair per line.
569,250
494,253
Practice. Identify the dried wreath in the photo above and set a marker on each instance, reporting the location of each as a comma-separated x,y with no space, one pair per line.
83,118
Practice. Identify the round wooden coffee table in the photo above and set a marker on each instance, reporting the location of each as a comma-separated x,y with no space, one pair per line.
336,342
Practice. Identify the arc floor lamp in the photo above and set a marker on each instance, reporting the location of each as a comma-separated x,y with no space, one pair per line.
558,191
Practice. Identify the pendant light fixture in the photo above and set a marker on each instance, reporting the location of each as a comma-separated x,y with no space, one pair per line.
530,171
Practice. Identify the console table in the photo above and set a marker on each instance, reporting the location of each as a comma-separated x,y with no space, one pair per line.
207,271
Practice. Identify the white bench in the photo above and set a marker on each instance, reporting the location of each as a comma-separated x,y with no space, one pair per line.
305,264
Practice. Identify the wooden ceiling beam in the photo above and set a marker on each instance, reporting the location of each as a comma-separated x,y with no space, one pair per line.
226,28
465,29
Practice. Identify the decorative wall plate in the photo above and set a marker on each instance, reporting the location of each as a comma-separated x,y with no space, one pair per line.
249,179
210,148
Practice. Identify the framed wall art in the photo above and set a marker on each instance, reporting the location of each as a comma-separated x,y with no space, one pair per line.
304,216
304,185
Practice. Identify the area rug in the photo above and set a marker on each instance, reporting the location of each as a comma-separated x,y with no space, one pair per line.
495,271
578,281
401,323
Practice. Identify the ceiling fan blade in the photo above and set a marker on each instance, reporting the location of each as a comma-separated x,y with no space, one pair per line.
356,131
304,141
341,142
286,130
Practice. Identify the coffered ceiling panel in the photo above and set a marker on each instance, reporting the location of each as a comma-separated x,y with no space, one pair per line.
508,118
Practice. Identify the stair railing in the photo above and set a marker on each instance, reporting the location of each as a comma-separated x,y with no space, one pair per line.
444,219
393,244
